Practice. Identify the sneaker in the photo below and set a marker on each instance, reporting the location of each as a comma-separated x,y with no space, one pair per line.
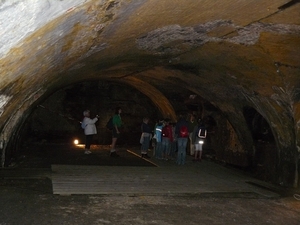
114,154
87,152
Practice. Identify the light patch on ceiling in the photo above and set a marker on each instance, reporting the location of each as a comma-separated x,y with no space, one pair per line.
249,35
160,41
192,96
94,49
3,101
18,18
284,97
77,66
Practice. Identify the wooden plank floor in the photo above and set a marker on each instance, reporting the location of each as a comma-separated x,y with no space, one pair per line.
71,179
105,180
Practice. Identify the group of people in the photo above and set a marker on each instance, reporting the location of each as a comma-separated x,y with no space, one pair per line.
167,138
88,124
170,138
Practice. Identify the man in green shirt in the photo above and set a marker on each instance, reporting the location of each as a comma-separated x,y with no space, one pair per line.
117,123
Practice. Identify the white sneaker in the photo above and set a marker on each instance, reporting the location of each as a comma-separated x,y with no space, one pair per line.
87,152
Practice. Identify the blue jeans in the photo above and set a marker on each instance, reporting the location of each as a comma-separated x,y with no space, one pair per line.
158,150
181,144
166,144
145,145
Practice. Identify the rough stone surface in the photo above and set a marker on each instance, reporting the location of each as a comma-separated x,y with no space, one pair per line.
27,193
20,207
232,54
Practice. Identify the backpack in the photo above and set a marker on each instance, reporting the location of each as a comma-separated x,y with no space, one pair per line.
183,131
165,132
109,124
201,132
83,125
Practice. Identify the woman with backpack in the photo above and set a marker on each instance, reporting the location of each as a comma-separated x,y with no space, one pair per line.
199,136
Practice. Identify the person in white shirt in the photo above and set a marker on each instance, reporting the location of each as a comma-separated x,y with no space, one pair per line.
89,127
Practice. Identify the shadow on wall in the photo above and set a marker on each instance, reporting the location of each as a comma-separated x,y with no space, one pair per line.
264,160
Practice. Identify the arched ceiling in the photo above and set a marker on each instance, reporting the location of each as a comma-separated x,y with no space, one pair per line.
232,53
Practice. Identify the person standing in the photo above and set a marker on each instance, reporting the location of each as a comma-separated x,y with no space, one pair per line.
199,136
167,138
89,127
145,137
158,134
182,133
117,123
173,148
192,124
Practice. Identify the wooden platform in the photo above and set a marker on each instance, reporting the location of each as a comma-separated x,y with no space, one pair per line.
71,179
118,180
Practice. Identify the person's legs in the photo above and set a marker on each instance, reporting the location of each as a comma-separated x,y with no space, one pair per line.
192,149
154,142
197,149
200,155
113,144
180,149
158,150
145,147
165,147
168,149
200,152
142,145
184,144
163,144
115,136
88,142
196,154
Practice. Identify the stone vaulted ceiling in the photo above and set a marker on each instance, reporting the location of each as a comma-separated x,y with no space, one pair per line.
234,54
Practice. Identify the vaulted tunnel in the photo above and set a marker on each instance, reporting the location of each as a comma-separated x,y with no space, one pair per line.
239,58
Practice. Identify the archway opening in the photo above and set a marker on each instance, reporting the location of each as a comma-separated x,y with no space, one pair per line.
57,118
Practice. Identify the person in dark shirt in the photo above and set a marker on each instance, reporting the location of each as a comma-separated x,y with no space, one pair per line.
158,137
182,134
145,137
167,138
192,124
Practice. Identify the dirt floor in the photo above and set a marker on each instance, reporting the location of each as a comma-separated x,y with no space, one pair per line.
21,205
29,200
